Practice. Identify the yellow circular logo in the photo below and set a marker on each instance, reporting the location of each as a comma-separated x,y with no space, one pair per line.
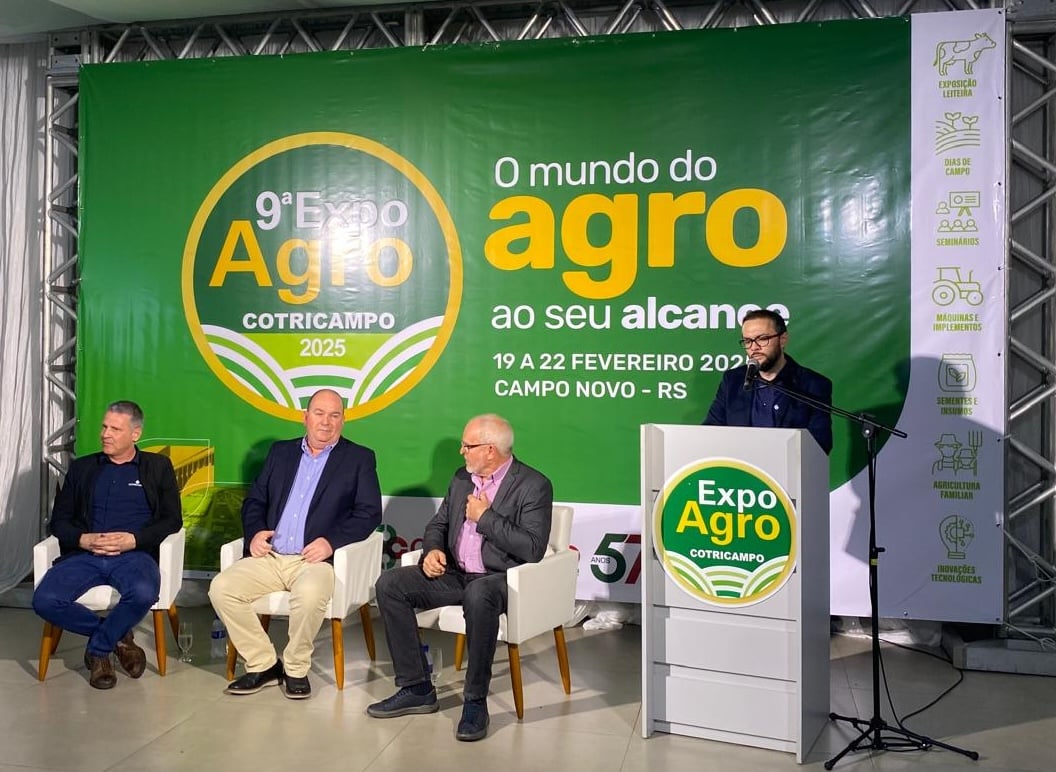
319,260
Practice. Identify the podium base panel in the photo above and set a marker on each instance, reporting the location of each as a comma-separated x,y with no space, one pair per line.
725,702
755,741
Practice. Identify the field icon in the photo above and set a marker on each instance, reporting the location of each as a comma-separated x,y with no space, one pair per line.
956,130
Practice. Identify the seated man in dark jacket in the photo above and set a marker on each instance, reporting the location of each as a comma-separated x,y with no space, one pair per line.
110,516
315,494
746,400
496,515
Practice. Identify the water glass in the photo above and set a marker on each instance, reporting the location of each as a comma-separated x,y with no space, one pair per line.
185,639
438,664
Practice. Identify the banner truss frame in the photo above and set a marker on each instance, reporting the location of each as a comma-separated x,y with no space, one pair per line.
1030,257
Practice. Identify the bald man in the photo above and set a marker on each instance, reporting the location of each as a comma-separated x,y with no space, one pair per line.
316,494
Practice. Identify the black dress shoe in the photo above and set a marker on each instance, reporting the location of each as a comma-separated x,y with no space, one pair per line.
251,683
474,723
296,688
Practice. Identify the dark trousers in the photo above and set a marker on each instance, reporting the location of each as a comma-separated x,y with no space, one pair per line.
483,598
133,574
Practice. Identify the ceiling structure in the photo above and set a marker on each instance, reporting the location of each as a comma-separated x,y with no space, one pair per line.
24,20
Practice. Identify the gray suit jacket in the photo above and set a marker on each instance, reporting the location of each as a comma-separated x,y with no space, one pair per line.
516,527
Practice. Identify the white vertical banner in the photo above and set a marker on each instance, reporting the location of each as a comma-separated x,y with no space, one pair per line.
940,492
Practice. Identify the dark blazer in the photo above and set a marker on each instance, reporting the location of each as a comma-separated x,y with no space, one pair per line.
516,527
733,405
72,514
346,506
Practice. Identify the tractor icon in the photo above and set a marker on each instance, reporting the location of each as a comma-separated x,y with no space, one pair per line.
950,286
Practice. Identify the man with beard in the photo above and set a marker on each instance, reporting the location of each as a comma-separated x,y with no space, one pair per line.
751,402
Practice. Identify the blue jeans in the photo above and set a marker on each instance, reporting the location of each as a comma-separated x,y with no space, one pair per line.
133,574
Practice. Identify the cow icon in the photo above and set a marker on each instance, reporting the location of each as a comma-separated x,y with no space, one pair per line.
966,52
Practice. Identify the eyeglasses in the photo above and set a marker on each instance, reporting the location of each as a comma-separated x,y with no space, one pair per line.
471,445
762,341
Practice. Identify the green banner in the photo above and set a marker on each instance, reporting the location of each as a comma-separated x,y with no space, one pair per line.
564,232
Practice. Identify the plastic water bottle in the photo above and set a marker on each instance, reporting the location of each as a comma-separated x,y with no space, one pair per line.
428,660
218,640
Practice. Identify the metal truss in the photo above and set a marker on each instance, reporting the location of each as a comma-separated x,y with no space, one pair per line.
1031,261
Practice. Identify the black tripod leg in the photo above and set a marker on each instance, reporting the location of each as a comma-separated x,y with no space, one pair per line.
927,741
857,722
853,745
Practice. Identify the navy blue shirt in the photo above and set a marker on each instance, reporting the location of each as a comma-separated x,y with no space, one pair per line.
763,404
119,503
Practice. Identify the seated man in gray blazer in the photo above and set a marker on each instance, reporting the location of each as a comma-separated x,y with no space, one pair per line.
496,515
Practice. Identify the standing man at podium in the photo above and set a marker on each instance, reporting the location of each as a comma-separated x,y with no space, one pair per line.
744,397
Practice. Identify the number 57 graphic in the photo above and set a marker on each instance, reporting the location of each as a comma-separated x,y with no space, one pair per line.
607,556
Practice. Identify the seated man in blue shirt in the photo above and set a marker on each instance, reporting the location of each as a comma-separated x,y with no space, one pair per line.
746,401
110,516
316,494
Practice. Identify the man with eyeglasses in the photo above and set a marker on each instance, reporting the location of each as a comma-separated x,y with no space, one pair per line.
744,401
496,515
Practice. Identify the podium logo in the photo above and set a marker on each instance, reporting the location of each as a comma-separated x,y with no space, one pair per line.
321,260
725,532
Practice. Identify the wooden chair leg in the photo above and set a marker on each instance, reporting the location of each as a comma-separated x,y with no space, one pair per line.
338,636
562,658
174,621
265,621
49,639
232,657
159,639
368,629
515,677
460,650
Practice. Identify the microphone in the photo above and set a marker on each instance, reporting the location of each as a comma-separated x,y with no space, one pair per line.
751,374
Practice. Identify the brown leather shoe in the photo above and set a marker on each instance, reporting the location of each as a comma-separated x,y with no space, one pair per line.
132,658
100,672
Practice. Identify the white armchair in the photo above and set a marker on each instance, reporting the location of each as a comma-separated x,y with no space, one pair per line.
356,569
542,597
105,597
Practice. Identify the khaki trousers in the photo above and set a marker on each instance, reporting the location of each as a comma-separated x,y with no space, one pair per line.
234,590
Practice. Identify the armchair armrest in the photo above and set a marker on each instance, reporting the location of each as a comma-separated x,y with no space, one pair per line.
44,554
170,563
357,567
230,553
542,595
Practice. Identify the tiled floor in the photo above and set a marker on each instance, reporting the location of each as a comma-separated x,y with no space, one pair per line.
184,722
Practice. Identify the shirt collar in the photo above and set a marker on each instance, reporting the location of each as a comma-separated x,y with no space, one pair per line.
105,459
308,451
497,476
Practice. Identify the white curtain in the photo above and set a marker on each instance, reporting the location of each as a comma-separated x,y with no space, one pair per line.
22,141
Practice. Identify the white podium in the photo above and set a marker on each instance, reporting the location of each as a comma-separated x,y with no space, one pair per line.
752,670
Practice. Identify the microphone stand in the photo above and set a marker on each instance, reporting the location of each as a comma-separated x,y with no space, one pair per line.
875,733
